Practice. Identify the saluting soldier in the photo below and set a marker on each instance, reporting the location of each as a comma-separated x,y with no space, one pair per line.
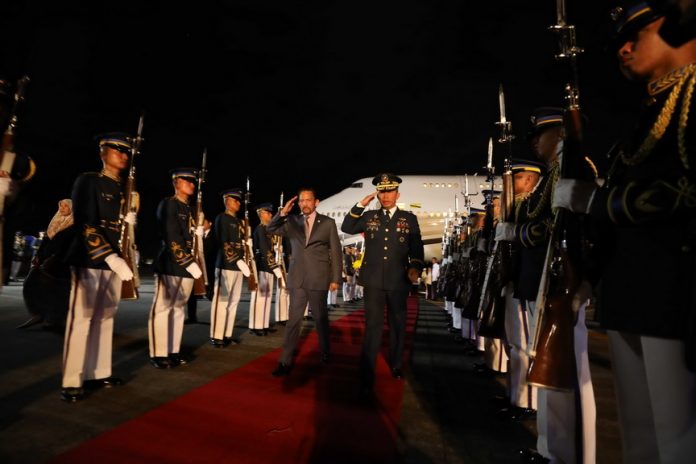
98,271
175,271
267,267
523,397
558,411
646,212
230,269
392,262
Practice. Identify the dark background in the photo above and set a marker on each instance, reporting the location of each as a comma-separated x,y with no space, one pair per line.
290,93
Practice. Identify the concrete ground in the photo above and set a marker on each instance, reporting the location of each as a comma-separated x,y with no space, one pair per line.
447,416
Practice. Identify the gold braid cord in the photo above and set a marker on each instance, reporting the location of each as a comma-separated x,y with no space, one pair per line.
546,194
684,119
664,118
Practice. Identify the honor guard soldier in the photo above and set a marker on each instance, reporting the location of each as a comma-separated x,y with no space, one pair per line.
523,397
349,283
281,246
393,261
467,307
97,271
230,269
646,214
175,271
267,267
558,411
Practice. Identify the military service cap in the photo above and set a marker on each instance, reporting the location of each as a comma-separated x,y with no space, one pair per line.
189,174
520,165
477,212
117,140
386,182
235,193
543,118
264,207
629,18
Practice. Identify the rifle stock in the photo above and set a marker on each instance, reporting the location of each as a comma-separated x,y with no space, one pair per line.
199,284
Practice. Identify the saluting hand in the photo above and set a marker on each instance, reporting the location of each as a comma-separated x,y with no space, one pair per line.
288,206
366,201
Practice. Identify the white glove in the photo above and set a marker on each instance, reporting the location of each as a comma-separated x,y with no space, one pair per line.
119,266
194,270
481,245
131,218
582,296
573,195
5,183
278,273
199,231
243,267
505,231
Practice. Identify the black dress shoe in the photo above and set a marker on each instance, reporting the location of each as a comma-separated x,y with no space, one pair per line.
283,323
160,362
324,359
191,321
531,456
72,395
257,332
269,330
520,414
230,341
397,373
336,306
217,343
108,382
281,371
175,359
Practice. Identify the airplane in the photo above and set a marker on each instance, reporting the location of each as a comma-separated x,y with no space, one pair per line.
434,199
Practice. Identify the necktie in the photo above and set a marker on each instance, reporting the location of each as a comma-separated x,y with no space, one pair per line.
386,213
306,229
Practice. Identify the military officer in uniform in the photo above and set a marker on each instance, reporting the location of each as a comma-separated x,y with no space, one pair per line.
523,397
230,269
393,261
646,212
175,271
267,267
97,273
558,411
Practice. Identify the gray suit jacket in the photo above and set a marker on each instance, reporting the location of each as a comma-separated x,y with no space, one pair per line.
314,265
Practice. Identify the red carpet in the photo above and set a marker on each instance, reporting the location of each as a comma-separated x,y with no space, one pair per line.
247,416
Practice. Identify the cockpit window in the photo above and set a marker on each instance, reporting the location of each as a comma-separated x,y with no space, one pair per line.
356,185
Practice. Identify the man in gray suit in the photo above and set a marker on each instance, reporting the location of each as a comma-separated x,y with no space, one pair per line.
315,268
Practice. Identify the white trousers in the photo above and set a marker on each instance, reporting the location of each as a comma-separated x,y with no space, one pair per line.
260,305
495,355
358,291
656,399
89,327
282,304
223,308
557,411
331,297
166,324
517,333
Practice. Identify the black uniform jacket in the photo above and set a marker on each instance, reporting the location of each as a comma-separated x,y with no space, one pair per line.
391,248
648,209
175,224
263,249
229,239
96,200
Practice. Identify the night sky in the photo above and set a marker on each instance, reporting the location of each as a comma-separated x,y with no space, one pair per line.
292,93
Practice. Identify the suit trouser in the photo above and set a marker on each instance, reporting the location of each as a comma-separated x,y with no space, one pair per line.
223,309
166,324
282,304
299,298
517,333
375,300
656,399
89,328
558,411
260,304
349,288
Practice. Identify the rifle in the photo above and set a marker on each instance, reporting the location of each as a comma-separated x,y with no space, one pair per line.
552,348
198,252
126,241
252,280
7,158
279,255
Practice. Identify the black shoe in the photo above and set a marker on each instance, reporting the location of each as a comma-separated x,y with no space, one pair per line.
191,321
308,318
106,383
283,323
336,306
175,360
257,332
71,395
230,341
281,371
217,343
269,330
397,373
161,362
520,414
324,359
483,370
531,456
